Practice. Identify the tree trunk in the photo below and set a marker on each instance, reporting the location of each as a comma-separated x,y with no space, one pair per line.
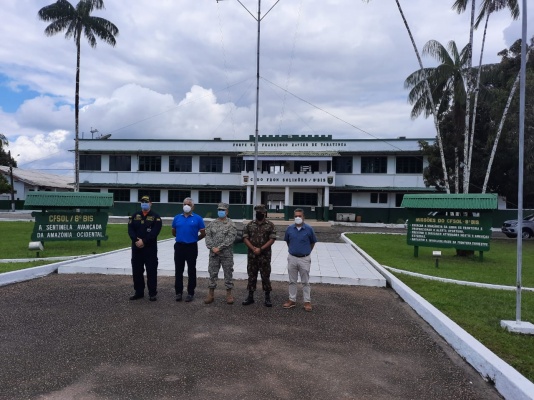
429,94
477,89
469,89
501,124
76,117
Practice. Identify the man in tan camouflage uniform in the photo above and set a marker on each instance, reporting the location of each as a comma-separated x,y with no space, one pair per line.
220,237
259,235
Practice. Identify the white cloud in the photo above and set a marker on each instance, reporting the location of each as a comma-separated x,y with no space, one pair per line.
187,68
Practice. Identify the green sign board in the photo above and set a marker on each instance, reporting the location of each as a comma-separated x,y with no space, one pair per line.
69,225
431,229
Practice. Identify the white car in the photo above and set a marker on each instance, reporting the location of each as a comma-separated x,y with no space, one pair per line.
509,228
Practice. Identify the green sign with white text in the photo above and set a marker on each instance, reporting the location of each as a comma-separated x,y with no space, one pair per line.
430,229
69,225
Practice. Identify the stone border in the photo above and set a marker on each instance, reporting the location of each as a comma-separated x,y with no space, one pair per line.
508,381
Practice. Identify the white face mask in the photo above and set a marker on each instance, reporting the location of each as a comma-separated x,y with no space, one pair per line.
298,220
187,208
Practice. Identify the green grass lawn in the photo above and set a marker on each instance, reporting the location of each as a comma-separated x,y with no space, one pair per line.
17,235
498,267
479,311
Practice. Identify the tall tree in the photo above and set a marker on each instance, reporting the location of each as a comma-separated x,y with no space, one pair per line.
430,99
488,7
5,159
76,21
446,82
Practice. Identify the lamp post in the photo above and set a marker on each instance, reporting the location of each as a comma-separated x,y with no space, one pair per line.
258,20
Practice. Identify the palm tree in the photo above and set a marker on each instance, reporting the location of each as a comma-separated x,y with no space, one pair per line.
75,21
429,96
446,82
488,7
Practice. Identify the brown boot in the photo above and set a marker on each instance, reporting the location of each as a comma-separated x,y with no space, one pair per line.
229,297
210,298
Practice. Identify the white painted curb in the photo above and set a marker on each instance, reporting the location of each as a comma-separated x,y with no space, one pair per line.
508,381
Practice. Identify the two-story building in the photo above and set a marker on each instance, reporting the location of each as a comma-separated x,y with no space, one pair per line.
329,178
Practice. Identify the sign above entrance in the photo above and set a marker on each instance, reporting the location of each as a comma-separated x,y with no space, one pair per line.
290,179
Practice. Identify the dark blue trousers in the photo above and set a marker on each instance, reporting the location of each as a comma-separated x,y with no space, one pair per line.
141,258
185,253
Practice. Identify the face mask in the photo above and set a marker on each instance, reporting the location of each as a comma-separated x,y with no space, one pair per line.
260,216
145,206
187,209
221,214
298,220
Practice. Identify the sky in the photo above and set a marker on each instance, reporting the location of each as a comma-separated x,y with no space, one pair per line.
184,69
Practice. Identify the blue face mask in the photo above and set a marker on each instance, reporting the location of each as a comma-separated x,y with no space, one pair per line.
145,206
221,214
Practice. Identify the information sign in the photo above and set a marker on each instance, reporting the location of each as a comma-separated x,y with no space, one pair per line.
446,231
69,225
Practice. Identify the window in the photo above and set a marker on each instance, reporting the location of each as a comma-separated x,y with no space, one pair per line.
398,199
342,165
180,164
153,194
379,198
306,166
120,194
238,197
120,163
409,165
211,164
209,196
374,165
237,164
90,162
178,196
304,199
249,165
150,163
273,167
341,199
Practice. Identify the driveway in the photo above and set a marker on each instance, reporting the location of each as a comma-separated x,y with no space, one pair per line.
79,337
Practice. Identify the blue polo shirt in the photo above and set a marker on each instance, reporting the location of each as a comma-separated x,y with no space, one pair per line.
299,241
187,227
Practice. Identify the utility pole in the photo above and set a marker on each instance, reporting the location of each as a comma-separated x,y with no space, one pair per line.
11,178
256,133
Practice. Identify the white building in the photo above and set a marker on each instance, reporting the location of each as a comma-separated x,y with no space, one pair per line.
293,170
26,180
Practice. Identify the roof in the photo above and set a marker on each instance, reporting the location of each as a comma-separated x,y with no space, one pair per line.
68,200
38,178
475,201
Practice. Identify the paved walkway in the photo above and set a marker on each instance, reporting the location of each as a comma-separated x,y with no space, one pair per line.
334,263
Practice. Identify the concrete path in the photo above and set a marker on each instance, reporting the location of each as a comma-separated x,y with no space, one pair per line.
334,263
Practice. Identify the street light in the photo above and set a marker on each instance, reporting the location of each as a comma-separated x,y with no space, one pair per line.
258,19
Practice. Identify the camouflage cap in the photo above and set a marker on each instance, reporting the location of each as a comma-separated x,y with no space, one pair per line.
260,208
145,198
223,206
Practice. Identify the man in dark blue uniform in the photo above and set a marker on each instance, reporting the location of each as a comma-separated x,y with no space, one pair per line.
143,228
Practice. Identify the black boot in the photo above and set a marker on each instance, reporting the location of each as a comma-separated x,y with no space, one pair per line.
268,299
250,299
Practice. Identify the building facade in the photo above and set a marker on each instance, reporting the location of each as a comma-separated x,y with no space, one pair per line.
325,176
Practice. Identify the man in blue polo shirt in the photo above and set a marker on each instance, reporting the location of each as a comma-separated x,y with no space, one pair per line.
188,228
300,239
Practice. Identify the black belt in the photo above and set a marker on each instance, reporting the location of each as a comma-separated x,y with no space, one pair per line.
305,255
185,244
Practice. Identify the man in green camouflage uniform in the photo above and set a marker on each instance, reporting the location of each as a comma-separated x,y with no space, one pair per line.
259,235
220,237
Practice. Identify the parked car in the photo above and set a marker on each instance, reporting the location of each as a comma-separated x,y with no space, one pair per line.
509,228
